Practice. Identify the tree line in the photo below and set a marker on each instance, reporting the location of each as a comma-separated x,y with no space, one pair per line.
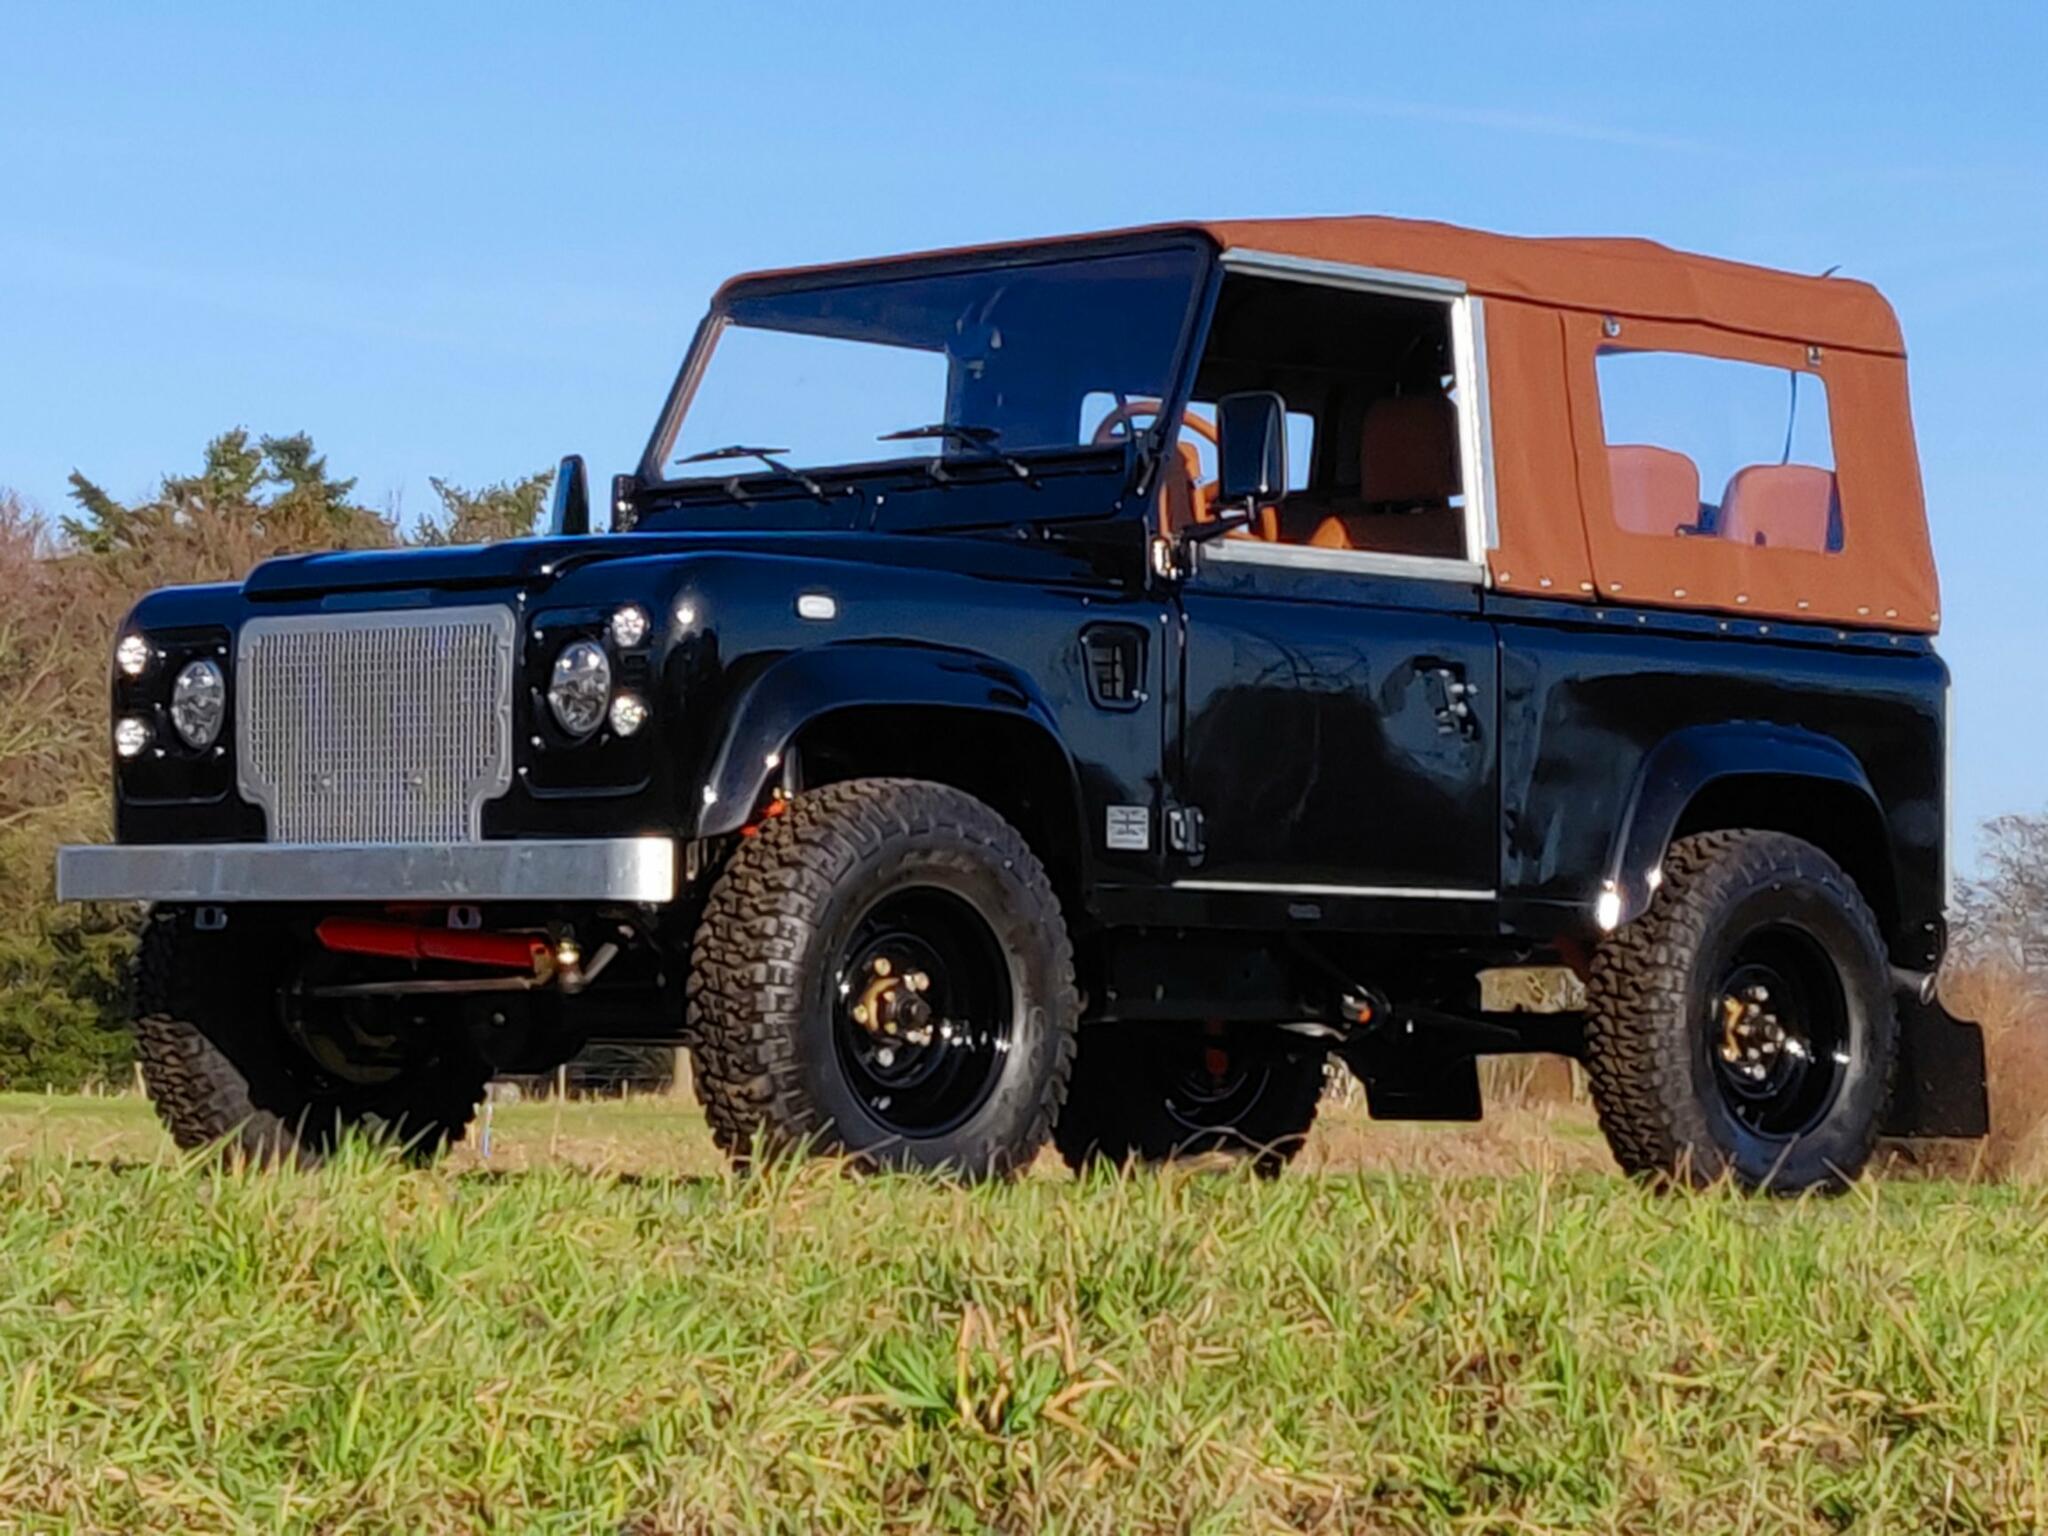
65,584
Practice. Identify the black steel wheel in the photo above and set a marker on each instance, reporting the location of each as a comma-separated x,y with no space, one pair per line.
1777,1033
924,1011
1744,1026
234,1055
884,972
1157,1093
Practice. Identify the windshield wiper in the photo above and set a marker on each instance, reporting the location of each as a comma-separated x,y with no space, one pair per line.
981,440
766,456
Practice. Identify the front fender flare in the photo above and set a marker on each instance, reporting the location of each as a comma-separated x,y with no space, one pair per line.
1685,763
805,685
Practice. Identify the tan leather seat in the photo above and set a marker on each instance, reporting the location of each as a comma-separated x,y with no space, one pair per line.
1656,491
1780,506
1407,475
1183,498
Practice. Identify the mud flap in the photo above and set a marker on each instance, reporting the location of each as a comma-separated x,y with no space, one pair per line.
1940,1086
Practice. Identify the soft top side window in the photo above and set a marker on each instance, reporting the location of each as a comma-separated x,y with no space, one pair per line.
1709,447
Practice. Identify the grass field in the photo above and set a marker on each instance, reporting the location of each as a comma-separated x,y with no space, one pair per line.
1430,1330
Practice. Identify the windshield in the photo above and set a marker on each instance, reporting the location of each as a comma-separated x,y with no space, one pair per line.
1002,359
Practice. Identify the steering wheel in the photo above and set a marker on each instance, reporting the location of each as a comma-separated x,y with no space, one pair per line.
1200,492
1121,416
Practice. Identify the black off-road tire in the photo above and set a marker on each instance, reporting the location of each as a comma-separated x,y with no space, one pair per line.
1127,1101
220,1069
1650,1038
763,1034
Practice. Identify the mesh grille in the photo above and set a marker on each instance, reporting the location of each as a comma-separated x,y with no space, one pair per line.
376,727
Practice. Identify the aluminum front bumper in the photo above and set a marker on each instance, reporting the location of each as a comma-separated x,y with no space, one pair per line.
636,869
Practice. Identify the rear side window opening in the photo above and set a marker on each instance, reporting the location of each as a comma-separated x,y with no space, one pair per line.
1714,448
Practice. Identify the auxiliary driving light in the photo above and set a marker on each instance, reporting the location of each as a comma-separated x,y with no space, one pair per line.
131,735
132,655
628,714
629,627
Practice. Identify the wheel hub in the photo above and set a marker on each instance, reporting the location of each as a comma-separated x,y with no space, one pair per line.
1778,1036
1754,1041
924,1012
893,1002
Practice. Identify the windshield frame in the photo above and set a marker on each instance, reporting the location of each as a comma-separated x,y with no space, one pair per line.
653,479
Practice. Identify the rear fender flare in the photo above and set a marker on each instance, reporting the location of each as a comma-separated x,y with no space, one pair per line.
1684,764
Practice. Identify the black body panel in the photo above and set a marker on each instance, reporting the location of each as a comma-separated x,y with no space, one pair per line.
1339,731
1303,713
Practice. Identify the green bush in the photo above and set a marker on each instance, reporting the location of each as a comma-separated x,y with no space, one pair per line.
63,591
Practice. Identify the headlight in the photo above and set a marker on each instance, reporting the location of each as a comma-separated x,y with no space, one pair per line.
132,655
581,688
199,702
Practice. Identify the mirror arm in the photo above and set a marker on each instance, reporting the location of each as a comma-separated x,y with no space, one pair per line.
1202,533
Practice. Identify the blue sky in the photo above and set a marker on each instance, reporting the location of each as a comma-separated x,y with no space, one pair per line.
461,240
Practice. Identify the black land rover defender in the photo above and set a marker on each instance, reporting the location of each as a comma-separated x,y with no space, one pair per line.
1072,690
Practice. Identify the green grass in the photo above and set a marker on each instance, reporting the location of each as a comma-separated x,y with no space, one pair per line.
370,1348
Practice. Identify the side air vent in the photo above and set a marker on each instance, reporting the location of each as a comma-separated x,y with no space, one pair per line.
1115,656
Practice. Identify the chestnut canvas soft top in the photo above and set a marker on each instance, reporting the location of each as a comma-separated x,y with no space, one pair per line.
1844,543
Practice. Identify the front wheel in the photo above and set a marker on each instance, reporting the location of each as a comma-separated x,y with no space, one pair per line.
1744,1027
884,971
234,1054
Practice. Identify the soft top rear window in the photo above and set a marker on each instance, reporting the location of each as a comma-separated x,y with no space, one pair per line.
1710,447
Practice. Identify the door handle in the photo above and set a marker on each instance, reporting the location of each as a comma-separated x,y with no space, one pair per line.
1453,698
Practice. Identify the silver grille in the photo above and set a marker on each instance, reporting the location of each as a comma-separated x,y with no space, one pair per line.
375,727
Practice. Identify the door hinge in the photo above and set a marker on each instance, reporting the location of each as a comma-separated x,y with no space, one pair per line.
1184,830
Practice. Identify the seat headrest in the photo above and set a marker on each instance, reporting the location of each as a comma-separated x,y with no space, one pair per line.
1780,506
1408,450
1655,490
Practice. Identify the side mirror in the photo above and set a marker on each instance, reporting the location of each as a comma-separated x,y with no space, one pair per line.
571,511
1251,448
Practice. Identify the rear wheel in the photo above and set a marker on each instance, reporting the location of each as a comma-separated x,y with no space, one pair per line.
234,1053
1744,1026
884,971
1156,1093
